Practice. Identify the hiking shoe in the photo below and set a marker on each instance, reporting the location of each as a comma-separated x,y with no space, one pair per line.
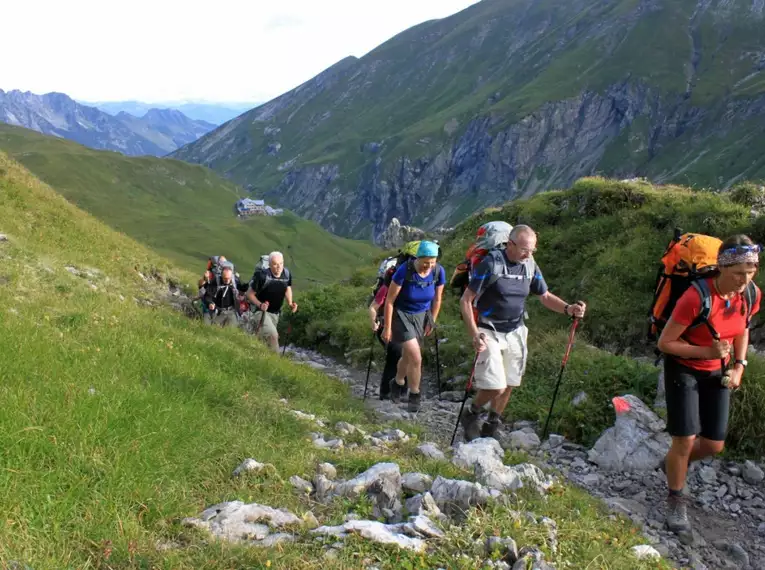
469,421
395,391
414,402
489,429
677,514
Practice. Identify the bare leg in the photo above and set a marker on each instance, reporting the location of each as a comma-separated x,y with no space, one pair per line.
677,461
704,447
410,365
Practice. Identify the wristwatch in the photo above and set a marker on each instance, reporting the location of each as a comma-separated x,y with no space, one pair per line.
741,362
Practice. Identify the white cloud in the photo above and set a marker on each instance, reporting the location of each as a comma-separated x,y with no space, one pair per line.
159,50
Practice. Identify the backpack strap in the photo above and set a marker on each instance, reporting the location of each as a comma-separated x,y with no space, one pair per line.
702,288
750,298
409,275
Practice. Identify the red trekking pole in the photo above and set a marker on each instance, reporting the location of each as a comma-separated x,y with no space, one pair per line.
560,376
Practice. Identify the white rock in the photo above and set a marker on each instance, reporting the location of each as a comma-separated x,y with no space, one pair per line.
301,484
236,521
416,482
360,484
431,451
456,495
385,534
249,465
303,415
328,470
466,455
277,538
520,439
423,526
636,441
3,237
344,428
751,473
642,551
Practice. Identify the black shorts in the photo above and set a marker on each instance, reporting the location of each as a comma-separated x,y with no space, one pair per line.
697,402
407,326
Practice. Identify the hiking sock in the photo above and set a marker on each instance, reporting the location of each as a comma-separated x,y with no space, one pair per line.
676,493
493,416
475,409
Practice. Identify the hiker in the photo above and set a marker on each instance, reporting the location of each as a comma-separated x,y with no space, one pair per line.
411,311
269,288
499,285
697,373
220,299
392,349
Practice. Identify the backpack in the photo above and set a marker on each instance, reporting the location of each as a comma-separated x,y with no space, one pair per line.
688,260
491,235
390,265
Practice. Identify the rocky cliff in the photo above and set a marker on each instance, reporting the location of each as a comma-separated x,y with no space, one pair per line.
505,99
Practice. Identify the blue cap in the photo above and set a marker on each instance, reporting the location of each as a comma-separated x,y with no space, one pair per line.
427,249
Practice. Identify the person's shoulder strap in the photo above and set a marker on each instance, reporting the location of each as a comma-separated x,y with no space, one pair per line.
498,266
705,295
750,298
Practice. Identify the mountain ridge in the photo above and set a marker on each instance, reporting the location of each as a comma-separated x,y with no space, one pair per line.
505,99
156,133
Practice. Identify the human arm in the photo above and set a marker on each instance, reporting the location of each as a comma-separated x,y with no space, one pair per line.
740,346
393,290
253,299
435,306
288,298
558,305
373,308
466,308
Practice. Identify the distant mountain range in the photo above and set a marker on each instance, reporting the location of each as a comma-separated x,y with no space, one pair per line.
215,113
156,132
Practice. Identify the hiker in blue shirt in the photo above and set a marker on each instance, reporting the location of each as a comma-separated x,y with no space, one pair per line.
411,309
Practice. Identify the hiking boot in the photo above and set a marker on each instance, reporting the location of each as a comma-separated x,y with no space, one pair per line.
489,429
414,402
395,391
677,514
469,421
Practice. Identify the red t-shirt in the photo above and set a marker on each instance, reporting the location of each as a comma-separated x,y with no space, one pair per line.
729,323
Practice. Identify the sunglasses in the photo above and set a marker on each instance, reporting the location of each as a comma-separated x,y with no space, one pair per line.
524,249
754,248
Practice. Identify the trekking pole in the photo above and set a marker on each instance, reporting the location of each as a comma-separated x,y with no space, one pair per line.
260,324
438,364
560,375
369,366
467,393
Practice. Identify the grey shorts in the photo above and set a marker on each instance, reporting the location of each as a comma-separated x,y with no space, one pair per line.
270,324
407,326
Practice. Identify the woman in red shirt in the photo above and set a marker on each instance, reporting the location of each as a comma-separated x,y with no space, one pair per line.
698,399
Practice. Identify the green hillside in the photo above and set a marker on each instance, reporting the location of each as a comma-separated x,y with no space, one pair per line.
600,241
508,98
182,211
120,420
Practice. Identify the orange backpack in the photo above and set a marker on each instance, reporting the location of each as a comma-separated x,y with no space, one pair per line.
688,259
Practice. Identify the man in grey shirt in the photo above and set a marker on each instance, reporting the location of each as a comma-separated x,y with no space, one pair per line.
498,288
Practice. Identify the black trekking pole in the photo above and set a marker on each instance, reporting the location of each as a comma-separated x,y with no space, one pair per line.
467,393
260,324
438,364
560,375
369,366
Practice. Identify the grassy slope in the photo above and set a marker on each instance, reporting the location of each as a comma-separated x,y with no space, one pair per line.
183,211
120,420
600,242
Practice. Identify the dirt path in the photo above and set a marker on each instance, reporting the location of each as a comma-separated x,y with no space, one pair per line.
728,514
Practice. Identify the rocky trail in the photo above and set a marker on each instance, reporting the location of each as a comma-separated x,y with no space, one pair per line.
728,506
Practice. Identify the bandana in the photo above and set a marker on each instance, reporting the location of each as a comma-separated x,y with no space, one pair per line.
732,257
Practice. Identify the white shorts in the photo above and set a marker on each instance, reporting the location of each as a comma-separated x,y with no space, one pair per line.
503,362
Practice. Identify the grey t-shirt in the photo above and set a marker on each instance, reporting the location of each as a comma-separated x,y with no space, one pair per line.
501,305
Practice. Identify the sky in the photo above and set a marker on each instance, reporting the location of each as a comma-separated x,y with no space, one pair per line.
172,50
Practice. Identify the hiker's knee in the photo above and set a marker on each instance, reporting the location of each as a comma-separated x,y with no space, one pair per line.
711,447
683,445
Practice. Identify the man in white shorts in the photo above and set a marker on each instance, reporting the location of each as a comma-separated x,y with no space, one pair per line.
499,286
